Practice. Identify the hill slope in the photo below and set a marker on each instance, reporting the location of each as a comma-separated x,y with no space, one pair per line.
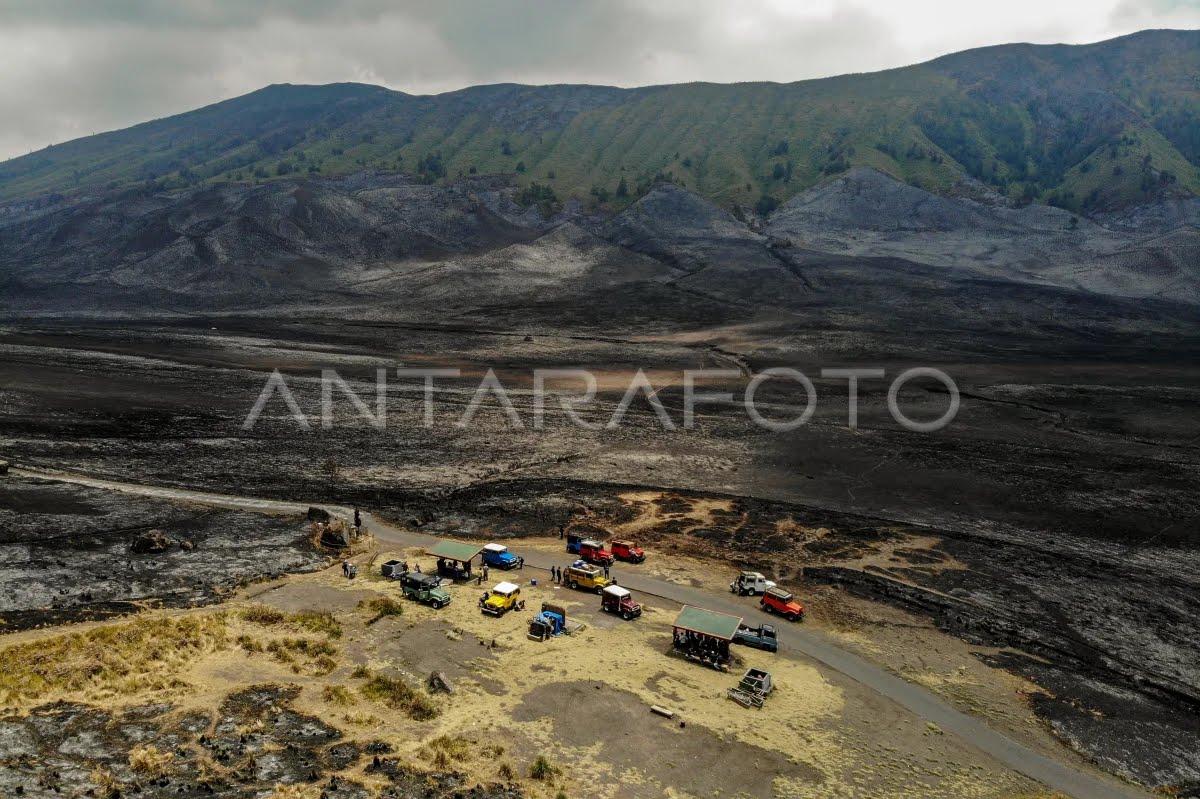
1087,127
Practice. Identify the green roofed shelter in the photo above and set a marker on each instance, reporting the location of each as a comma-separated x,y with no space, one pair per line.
707,622
455,550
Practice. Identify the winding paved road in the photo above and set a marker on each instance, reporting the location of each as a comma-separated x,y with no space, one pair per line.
926,705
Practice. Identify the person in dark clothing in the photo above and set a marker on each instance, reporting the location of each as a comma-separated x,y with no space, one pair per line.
357,518
605,572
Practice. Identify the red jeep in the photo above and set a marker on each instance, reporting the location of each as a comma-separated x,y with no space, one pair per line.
628,551
594,552
776,600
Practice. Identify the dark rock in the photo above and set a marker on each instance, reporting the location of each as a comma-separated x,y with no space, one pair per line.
150,542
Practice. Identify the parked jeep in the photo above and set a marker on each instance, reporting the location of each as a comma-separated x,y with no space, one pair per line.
776,600
424,588
628,551
750,583
760,637
588,578
501,599
594,552
618,600
498,557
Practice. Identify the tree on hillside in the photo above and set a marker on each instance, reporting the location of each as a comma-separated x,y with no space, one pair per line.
622,189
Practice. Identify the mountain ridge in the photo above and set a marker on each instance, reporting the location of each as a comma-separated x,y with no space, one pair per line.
1088,127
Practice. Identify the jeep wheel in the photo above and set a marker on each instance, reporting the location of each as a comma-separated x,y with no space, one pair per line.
792,617
626,615
751,592
436,605
599,589
574,584
768,608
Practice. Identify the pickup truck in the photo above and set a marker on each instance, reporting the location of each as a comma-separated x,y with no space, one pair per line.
498,557
760,637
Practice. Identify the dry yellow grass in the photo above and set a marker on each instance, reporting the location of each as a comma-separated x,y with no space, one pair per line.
131,657
149,761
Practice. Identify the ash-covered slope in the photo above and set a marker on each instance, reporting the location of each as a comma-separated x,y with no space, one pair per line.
868,213
242,247
863,256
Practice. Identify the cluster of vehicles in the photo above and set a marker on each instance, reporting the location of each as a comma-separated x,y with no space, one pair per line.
774,599
593,551
588,574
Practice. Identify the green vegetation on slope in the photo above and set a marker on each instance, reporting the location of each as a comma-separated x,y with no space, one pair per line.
1081,126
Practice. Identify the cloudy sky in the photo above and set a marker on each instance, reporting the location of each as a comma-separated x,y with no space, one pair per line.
69,68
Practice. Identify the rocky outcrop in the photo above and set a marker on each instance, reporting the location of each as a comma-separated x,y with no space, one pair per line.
150,542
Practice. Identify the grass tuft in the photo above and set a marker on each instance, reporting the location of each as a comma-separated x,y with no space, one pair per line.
382,607
399,695
542,769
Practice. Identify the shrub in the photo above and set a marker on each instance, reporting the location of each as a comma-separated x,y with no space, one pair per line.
542,769
337,695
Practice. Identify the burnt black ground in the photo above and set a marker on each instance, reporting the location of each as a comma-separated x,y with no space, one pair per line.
142,328
255,739
1065,488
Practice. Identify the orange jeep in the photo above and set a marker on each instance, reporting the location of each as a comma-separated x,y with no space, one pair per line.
776,600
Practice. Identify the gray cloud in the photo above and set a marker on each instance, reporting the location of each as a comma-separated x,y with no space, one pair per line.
72,67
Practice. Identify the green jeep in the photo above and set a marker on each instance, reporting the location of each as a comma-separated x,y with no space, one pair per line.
424,588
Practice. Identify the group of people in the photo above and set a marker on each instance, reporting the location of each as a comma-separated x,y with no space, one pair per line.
349,570
701,645
483,574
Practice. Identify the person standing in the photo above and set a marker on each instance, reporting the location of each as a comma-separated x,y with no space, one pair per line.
606,572
357,518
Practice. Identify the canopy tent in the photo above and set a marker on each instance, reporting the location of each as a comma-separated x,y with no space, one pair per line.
454,558
709,623
455,550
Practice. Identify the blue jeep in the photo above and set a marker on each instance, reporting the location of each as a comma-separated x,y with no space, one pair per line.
498,557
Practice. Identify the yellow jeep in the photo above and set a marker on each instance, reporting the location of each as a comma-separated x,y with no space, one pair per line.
501,599
588,578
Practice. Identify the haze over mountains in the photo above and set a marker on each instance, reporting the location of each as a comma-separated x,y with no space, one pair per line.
1087,127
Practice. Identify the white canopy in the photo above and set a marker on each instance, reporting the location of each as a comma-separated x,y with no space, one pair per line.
506,587
494,548
617,591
